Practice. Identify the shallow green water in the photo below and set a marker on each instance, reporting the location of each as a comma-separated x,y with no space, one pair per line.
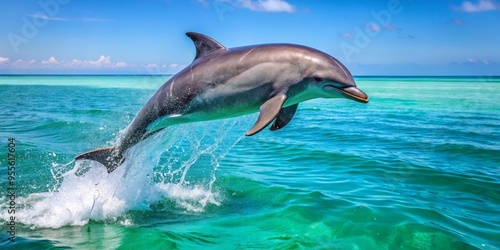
416,168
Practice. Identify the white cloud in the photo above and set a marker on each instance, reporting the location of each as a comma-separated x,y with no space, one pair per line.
23,64
44,17
471,60
274,6
262,5
390,27
121,64
18,63
51,60
345,35
481,5
53,63
103,62
93,19
474,61
152,65
374,27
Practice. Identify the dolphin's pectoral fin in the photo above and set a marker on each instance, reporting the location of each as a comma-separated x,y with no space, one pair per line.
105,156
284,117
268,111
204,44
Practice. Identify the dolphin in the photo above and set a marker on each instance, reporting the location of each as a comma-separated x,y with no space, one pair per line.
229,82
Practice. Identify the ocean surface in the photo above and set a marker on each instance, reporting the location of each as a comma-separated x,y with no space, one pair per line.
416,168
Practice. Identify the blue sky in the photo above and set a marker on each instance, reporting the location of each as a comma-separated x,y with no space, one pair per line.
376,37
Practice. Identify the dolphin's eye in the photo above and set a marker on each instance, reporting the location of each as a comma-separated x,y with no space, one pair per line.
318,79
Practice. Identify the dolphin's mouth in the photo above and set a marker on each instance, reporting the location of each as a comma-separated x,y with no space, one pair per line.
352,93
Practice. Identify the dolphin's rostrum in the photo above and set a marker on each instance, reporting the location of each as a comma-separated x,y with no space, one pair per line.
228,82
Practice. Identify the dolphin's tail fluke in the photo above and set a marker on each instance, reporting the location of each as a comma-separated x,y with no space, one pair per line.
106,156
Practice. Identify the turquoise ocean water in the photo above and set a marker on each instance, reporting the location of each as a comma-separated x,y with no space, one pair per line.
416,168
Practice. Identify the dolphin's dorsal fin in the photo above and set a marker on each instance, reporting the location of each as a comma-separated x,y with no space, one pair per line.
204,44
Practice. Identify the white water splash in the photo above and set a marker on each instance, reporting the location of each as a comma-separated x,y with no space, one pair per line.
88,192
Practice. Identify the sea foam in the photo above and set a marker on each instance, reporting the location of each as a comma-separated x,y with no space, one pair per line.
155,170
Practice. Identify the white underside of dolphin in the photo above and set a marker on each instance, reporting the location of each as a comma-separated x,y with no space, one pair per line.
227,82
